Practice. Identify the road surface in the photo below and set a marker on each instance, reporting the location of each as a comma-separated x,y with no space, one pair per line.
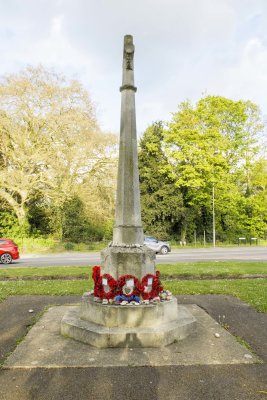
176,256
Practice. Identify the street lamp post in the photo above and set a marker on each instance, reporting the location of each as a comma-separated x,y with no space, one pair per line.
213,204
213,218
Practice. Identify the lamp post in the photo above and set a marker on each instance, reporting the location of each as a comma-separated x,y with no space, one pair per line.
213,218
213,204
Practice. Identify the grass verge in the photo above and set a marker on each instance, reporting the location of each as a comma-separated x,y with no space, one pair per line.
49,272
44,245
252,291
194,270
214,268
48,287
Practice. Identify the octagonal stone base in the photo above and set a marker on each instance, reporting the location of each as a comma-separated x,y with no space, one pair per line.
102,326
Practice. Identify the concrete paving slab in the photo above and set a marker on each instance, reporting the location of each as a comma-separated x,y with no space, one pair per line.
45,347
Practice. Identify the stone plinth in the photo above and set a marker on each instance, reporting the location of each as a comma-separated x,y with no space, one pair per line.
103,326
121,260
113,316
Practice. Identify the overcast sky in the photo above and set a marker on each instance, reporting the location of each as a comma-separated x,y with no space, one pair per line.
183,48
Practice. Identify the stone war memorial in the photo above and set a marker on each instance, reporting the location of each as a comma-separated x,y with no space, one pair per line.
128,309
129,305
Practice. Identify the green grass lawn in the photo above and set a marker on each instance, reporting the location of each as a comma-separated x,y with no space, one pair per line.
252,291
214,268
17,272
197,269
53,288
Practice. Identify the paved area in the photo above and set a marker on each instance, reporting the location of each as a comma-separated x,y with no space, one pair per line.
238,381
44,346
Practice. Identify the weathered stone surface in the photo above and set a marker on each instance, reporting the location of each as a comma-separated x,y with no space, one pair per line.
128,226
129,316
146,336
119,260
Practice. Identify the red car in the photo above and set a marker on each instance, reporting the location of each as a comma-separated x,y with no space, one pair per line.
8,251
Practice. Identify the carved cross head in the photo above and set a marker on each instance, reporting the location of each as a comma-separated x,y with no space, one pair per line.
128,51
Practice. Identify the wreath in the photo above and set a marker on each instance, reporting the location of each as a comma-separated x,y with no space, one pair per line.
112,284
97,280
156,286
118,286
99,287
121,283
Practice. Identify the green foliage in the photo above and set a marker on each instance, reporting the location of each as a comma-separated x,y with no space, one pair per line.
213,146
8,224
52,151
76,226
161,201
57,170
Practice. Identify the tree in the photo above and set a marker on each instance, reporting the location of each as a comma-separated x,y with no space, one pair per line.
51,142
76,225
253,207
212,144
161,201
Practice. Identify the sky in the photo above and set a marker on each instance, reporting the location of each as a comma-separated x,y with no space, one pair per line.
184,50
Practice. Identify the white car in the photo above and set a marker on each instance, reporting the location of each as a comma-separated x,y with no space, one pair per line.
157,245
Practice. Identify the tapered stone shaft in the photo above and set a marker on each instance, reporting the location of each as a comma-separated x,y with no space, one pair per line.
128,227
127,254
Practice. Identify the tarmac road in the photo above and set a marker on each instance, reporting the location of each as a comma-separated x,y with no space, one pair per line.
253,253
